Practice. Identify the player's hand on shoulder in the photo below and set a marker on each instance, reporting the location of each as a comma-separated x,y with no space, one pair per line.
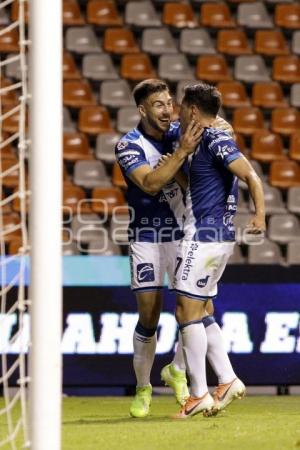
256,225
191,138
222,124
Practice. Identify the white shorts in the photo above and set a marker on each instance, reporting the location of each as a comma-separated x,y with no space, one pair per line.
149,262
199,267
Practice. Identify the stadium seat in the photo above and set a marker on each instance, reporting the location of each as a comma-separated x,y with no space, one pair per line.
268,95
266,253
82,40
10,123
242,205
237,256
91,174
293,200
9,97
247,120
11,180
254,16
105,147
240,141
216,15
115,94
141,14
119,41
288,16
233,42
178,15
196,42
71,14
284,228
293,253
127,118
73,199
103,13
272,2
174,67
118,228
295,95
76,147
250,69
70,248
158,41
284,174
294,150
270,43
286,69
296,43
273,201
68,124
4,16
233,94
15,246
10,227
104,247
285,120
99,67
9,41
12,69
212,68
87,229
137,67
267,147
77,94
105,200
117,177
70,71
94,120
7,151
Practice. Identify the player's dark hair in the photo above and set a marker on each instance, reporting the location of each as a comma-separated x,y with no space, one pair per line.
205,97
148,87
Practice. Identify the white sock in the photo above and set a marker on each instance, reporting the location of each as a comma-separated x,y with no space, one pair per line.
216,352
144,352
194,342
178,360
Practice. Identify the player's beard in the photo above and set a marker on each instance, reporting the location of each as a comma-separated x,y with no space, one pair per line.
157,126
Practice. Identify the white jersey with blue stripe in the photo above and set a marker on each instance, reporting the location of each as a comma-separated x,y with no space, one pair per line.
157,218
212,194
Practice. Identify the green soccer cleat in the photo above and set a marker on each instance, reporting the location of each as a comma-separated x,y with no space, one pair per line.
140,406
176,379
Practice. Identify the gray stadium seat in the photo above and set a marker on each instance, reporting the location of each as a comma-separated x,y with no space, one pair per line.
237,256
127,118
69,125
104,247
90,174
296,42
251,69
293,200
70,248
242,204
118,228
254,16
82,40
99,67
295,95
13,69
273,201
293,253
87,228
105,147
141,14
266,253
284,228
158,41
116,94
174,67
196,42
4,17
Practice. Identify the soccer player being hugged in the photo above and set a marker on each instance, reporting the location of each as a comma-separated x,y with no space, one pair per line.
209,238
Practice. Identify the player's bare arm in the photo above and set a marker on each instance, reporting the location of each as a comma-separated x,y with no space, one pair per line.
151,180
245,172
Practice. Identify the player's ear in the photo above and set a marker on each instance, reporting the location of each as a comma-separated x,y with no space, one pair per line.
142,110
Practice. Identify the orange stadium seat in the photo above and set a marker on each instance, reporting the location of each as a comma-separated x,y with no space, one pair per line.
103,13
179,15
7,151
76,147
267,146
137,67
11,229
288,16
11,180
285,120
117,177
15,245
216,15
9,97
94,120
70,71
284,174
106,199
9,41
78,93
15,11
271,43
119,41
233,94
71,13
11,123
240,141
268,95
286,69
294,149
233,42
247,120
72,195
213,68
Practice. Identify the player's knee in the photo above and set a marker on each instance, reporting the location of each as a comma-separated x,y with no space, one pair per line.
149,319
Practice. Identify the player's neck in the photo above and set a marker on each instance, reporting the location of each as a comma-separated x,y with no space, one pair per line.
206,122
152,132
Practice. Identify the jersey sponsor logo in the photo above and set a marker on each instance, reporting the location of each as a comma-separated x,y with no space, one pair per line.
122,144
189,261
145,272
203,282
224,150
128,161
128,152
228,219
231,198
219,139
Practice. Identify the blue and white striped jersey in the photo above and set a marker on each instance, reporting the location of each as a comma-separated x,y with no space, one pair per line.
212,195
155,218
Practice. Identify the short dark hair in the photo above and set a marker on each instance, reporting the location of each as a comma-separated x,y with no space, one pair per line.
148,87
204,96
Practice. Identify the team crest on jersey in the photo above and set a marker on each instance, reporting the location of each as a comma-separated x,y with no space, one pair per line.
203,282
145,272
122,144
